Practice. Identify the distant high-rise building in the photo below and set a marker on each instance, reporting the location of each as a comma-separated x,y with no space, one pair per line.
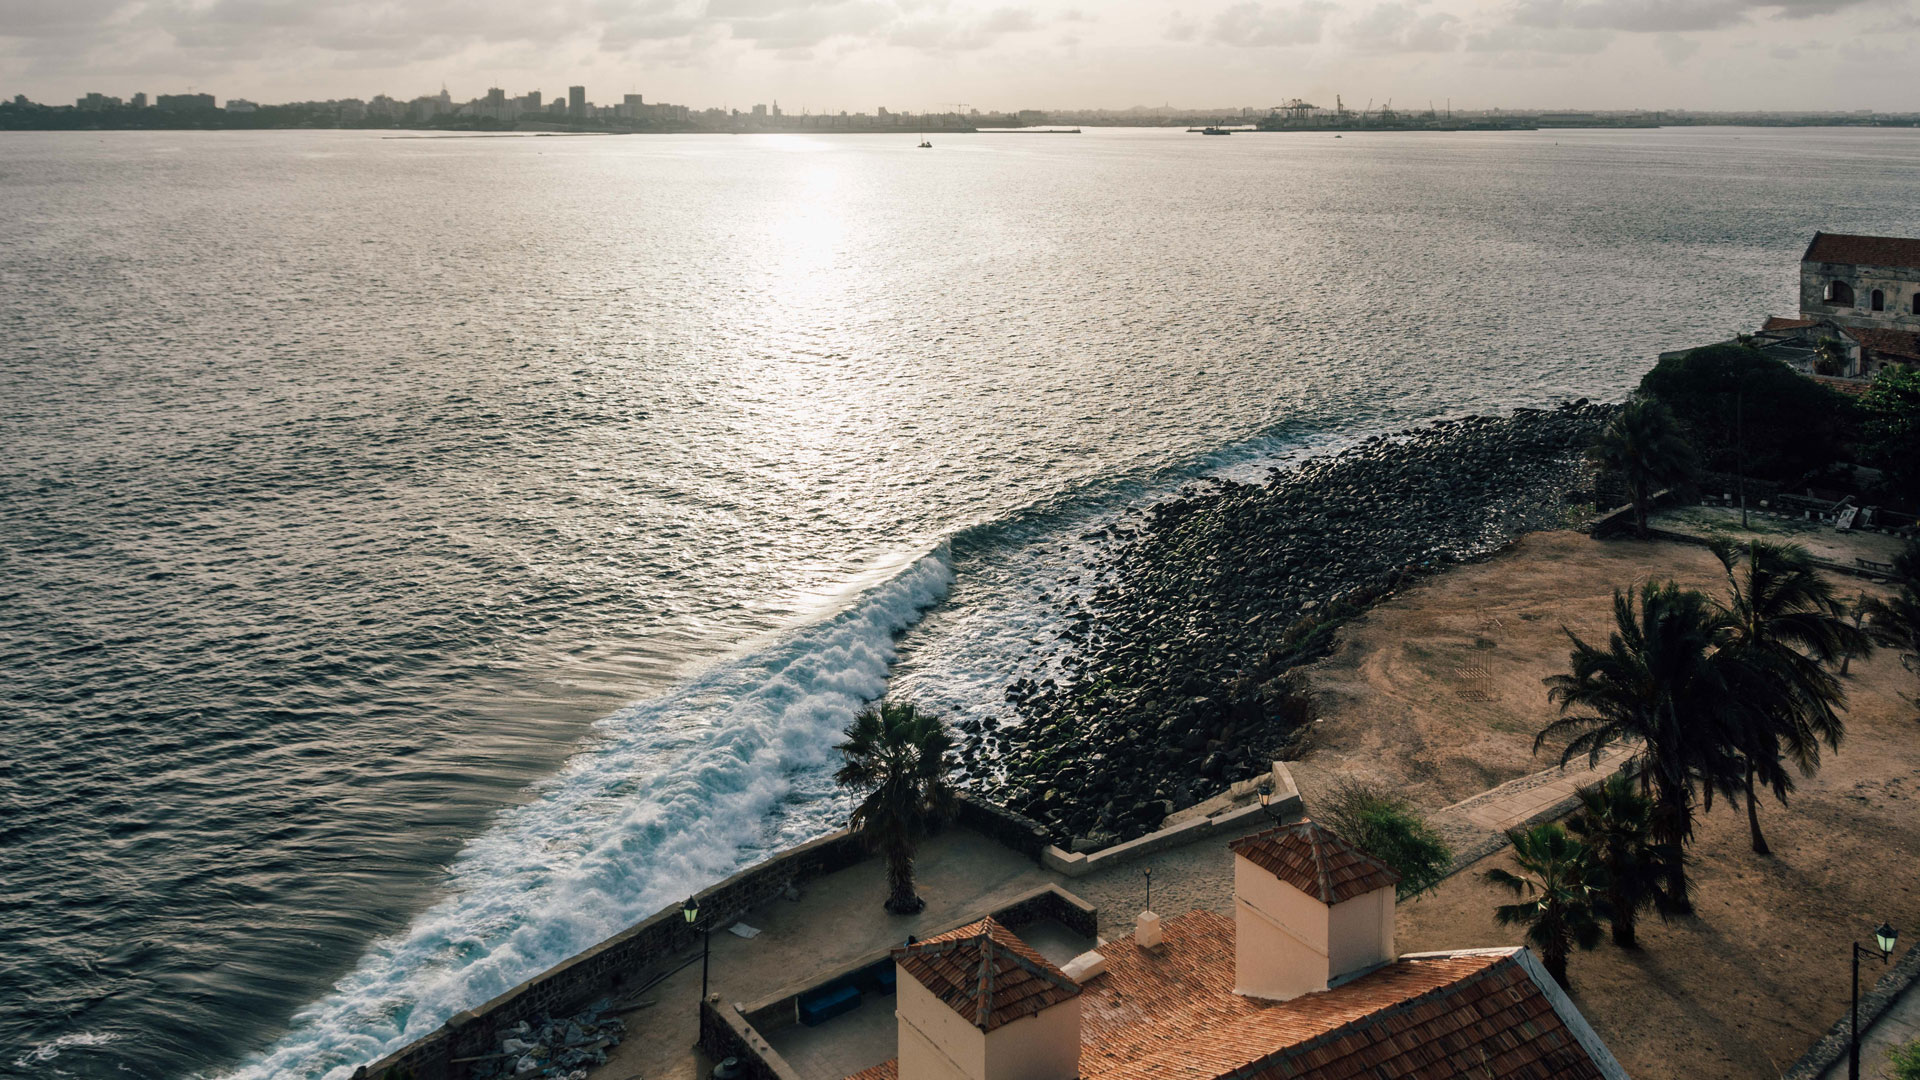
97,101
760,111
576,101
776,108
533,101
241,105
140,100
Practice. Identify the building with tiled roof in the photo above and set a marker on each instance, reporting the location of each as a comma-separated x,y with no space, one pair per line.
1859,310
1301,983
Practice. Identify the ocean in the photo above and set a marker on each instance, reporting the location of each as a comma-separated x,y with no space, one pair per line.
422,557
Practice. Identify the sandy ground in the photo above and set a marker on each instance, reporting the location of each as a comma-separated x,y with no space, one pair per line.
1739,991
1745,987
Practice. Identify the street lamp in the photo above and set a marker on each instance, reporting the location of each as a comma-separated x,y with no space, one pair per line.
1884,936
691,910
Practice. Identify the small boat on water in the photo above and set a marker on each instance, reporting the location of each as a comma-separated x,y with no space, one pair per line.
1216,131
925,145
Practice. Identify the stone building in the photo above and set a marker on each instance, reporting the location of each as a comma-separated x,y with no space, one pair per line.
1859,308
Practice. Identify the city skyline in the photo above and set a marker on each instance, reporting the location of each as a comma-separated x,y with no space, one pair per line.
932,56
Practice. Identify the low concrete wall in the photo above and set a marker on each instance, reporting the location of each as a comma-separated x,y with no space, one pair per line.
724,1033
1286,806
1017,833
737,1032
622,960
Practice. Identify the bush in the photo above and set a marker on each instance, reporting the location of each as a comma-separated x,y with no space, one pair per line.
1890,428
1906,1061
1792,425
1387,827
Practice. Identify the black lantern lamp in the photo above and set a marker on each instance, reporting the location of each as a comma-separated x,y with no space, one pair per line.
691,911
1885,937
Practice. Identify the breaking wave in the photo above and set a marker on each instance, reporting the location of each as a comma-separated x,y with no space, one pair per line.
672,795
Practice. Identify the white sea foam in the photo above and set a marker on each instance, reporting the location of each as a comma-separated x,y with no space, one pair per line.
674,795
47,1051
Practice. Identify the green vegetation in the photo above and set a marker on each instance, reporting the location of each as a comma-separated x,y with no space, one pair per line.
1784,628
1615,822
1720,698
1388,828
1905,1061
1556,888
1752,414
1890,429
896,756
1658,683
1642,445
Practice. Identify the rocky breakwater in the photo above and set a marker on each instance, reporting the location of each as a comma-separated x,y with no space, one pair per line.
1177,677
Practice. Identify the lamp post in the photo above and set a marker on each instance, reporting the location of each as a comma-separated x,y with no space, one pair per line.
1148,874
691,910
1884,936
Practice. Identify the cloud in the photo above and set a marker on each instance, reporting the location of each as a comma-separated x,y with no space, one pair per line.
1269,25
1560,41
1664,16
1677,49
1395,27
1181,28
944,34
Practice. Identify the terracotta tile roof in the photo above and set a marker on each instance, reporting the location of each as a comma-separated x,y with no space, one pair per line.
1900,343
986,973
1309,857
1863,250
1776,322
1171,1014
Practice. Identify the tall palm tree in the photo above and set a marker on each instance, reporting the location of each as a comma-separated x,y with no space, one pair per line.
1615,821
1557,894
1659,685
897,756
1784,627
1642,443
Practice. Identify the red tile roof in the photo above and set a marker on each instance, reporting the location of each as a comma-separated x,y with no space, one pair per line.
1901,343
986,973
1776,322
1171,1014
1863,250
1309,857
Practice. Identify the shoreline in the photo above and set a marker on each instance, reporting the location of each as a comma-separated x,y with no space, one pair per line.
1180,676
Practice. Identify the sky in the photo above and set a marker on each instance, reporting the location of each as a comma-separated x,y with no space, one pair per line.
933,55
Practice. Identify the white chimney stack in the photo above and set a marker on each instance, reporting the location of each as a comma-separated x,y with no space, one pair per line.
978,1003
1309,910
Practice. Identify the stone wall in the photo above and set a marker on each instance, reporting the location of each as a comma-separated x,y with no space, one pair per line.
995,822
616,964
1897,284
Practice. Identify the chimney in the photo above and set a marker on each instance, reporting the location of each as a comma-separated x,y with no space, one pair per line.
978,1003
1309,911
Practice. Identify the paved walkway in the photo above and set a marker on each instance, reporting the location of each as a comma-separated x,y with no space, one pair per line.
1518,801
1897,1026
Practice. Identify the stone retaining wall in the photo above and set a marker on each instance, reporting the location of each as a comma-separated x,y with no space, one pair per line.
621,961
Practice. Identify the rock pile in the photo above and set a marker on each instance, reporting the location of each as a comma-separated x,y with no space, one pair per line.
560,1048
1177,678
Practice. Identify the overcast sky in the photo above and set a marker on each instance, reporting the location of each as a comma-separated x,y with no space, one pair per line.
926,54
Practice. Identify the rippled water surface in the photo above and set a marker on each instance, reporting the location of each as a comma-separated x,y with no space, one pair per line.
420,558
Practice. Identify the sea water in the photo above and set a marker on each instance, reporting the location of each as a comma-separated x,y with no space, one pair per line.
420,558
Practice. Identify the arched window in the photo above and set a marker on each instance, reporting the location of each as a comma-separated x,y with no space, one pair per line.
1839,294
1878,300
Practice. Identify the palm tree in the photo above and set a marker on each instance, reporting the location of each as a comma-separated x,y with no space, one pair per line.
1642,443
897,756
1615,821
1784,626
1556,890
1659,684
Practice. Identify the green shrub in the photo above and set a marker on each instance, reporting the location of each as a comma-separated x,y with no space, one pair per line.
1730,396
1906,1061
1387,827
